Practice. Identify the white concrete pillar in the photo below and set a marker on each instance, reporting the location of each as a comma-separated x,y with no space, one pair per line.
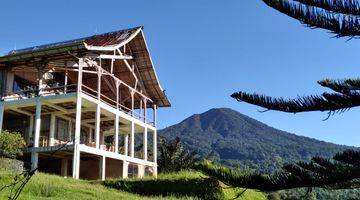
76,162
154,114
37,122
145,110
132,103
102,167
70,130
98,109
31,128
145,144
52,129
97,126
155,171
116,134
141,171
126,145
64,167
34,160
76,155
132,140
2,108
125,169
155,146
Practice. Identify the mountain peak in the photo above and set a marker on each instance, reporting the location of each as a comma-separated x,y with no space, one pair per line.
237,139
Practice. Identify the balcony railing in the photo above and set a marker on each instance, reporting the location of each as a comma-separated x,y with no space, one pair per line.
55,90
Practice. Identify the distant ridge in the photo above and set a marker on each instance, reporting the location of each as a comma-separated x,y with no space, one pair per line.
237,140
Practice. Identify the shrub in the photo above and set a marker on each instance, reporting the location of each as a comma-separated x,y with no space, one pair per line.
11,144
175,184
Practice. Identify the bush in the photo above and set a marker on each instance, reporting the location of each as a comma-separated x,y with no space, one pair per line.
176,184
11,144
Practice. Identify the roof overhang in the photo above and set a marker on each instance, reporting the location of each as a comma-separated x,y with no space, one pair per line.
99,43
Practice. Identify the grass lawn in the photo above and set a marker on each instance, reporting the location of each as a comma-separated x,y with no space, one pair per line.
45,186
186,183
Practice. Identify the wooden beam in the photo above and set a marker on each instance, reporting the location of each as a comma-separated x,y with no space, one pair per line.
94,120
47,103
20,111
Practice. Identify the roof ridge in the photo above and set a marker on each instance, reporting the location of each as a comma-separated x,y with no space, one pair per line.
67,42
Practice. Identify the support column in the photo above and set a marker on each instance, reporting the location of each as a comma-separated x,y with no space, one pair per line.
141,171
116,133
132,103
155,146
2,108
126,145
154,114
66,78
145,144
70,129
76,162
132,139
154,172
76,158
37,122
145,110
31,128
64,167
102,167
97,126
98,108
52,130
155,153
125,169
34,160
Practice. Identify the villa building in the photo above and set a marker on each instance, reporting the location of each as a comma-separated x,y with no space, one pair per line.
86,107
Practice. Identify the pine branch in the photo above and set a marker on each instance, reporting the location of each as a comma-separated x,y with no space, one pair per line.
347,7
327,102
338,24
345,87
319,172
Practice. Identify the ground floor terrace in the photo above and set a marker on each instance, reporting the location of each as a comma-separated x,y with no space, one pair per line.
78,135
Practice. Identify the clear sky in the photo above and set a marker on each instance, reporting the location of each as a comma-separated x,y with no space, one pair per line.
205,50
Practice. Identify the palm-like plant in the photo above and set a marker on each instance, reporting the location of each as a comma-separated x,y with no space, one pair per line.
174,157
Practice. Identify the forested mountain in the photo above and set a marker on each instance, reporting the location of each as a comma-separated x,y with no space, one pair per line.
237,140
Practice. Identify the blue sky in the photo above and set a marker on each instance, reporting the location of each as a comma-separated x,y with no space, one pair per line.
205,50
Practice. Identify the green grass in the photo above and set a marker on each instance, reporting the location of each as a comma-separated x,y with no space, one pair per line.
45,186
194,184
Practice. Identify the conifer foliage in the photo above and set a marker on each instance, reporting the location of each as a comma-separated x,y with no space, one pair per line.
342,19
343,171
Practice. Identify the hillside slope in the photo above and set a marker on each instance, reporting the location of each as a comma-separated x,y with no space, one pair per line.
237,140
51,187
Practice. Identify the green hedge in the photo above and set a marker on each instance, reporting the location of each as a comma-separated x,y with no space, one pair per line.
177,185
